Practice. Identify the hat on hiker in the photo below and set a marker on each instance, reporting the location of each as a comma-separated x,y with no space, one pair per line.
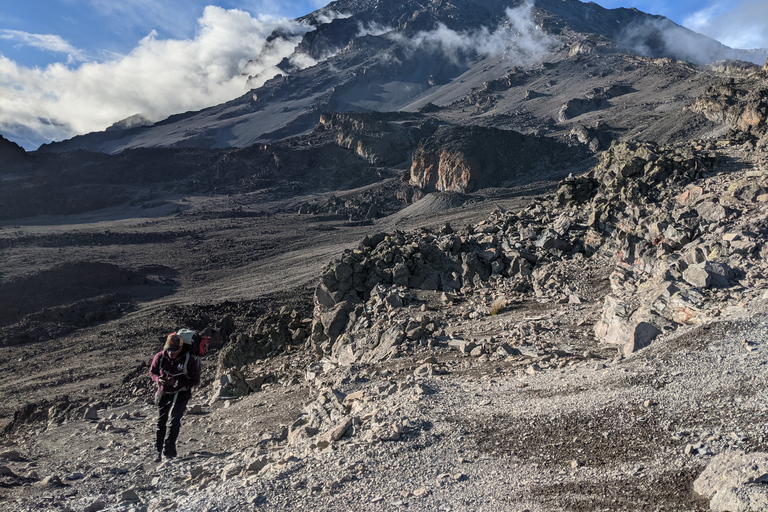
173,342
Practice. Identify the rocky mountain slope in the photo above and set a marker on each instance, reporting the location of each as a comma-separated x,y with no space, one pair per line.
537,286
398,56
563,73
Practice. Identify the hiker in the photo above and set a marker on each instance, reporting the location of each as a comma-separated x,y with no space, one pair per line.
176,372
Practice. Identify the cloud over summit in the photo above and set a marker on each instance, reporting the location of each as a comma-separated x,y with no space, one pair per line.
739,24
156,79
518,39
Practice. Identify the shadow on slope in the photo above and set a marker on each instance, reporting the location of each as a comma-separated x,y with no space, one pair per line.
54,302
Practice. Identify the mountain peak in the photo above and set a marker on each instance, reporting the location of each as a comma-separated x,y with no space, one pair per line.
377,55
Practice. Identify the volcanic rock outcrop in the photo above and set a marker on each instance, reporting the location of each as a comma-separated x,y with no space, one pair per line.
742,105
468,158
379,138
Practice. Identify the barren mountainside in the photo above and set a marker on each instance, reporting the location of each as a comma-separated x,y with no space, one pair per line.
476,256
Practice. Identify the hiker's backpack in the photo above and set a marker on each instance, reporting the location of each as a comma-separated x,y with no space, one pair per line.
197,345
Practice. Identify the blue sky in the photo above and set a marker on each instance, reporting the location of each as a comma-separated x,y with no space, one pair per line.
100,29
73,66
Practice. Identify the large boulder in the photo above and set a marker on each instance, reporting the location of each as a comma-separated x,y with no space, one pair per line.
630,330
735,482
367,348
708,274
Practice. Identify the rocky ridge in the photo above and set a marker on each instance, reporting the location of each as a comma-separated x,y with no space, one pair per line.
673,240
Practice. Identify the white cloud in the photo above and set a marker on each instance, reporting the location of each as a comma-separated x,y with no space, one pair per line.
328,15
741,24
372,29
158,78
46,42
518,39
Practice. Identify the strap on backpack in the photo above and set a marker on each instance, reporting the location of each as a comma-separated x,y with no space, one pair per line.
183,372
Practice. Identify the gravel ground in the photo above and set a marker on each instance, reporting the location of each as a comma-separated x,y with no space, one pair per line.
596,434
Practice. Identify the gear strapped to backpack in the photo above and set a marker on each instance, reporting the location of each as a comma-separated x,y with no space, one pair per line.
197,345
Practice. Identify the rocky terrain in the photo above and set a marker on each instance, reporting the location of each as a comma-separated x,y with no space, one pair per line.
558,354
527,287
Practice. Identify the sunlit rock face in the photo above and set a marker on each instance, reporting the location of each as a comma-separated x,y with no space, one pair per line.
465,159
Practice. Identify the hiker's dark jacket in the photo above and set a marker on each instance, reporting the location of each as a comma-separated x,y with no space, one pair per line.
164,367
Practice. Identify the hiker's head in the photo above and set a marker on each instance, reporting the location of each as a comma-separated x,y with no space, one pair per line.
173,344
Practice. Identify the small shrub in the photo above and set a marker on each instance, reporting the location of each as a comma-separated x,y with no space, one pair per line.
497,306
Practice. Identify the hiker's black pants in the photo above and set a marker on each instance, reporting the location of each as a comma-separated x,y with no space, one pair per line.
174,404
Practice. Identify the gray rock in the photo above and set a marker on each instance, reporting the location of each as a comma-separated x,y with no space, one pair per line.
549,239
335,320
631,332
52,481
324,297
400,275
505,350
488,255
95,506
477,351
231,470
130,495
11,455
424,370
334,434
697,276
91,413
712,212
533,369
388,343
463,346
254,466
729,482
343,272
519,266
708,274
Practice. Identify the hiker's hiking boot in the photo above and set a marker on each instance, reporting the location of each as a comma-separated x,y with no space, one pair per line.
159,457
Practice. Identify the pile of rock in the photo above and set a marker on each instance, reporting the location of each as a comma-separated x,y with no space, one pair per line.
362,415
674,241
364,206
674,231
237,383
238,370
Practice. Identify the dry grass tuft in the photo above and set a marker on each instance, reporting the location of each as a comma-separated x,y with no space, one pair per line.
498,306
